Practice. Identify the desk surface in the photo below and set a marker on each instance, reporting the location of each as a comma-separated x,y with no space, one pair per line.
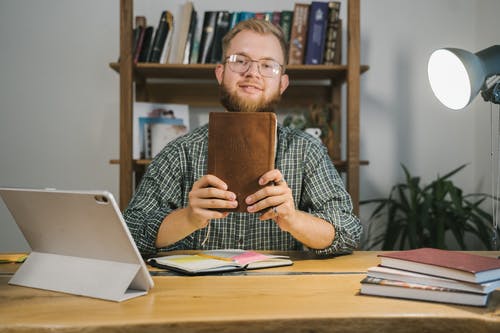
320,295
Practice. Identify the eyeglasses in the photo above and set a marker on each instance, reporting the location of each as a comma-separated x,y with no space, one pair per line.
267,67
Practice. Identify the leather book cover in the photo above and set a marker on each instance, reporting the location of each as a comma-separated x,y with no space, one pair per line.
241,148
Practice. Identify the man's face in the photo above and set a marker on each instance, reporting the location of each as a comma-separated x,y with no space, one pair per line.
250,91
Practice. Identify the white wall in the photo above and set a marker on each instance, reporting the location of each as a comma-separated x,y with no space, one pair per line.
59,99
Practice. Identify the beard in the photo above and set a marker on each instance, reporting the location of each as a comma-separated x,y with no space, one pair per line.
234,103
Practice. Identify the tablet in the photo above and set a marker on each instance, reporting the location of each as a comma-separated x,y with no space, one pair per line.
79,243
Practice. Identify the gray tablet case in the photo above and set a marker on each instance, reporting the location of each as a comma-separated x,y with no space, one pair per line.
80,244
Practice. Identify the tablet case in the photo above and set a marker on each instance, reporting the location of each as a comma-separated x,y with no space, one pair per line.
80,244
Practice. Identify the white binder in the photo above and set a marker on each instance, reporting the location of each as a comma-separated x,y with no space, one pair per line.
80,244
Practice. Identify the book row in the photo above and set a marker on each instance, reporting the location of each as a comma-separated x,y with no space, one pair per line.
434,275
312,31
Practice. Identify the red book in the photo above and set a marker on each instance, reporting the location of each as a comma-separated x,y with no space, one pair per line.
450,264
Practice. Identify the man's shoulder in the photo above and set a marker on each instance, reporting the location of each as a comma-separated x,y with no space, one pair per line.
296,136
194,138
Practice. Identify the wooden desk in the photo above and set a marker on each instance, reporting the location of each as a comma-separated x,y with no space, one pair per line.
324,299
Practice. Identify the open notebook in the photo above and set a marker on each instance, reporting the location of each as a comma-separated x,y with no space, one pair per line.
80,244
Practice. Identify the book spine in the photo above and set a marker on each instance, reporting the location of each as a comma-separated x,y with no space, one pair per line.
221,28
167,45
276,18
207,36
159,39
286,23
146,44
316,31
298,34
333,34
138,45
243,16
190,37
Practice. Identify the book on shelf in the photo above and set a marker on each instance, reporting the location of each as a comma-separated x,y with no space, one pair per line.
286,23
398,289
207,36
180,35
155,125
190,38
387,273
217,261
276,18
444,263
316,33
160,37
241,148
221,28
167,46
333,40
298,34
146,44
139,30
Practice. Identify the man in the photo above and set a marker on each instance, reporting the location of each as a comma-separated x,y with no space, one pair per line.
177,205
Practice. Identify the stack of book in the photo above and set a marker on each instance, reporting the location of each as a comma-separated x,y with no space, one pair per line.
313,31
434,275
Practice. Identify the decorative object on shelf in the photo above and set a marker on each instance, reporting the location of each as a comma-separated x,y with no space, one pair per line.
416,216
457,76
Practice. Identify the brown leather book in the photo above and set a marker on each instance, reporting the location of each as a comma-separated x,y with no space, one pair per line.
241,148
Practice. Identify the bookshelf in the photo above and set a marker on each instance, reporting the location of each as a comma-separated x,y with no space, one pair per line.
195,84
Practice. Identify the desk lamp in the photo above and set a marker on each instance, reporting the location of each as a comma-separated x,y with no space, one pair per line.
457,76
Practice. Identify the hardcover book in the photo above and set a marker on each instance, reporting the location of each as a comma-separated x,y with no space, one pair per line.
207,36
411,277
241,148
333,40
298,34
398,289
286,23
182,38
159,38
221,28
449,264
216,261
146,44
316,31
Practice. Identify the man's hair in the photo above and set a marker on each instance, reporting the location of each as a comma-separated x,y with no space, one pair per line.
261,27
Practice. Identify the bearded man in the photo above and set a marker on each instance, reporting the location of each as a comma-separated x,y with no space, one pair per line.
177,200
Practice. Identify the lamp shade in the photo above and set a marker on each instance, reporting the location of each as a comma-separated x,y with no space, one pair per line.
457,76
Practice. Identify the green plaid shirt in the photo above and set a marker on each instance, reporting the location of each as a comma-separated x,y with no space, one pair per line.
316,186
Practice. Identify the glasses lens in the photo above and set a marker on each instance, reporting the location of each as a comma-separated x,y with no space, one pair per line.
240,64
269,68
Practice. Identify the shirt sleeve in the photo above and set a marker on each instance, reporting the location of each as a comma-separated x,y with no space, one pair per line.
326,197
159,193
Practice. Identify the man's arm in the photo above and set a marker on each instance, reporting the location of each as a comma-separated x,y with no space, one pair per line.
208,195
277,202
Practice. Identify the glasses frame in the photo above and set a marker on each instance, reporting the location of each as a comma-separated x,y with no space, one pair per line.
250,61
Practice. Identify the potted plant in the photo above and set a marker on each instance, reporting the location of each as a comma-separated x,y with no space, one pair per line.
415,216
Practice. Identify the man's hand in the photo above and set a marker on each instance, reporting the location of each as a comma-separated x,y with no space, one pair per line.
276,201
208,195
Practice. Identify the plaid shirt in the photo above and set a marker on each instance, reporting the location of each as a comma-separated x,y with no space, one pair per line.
316,186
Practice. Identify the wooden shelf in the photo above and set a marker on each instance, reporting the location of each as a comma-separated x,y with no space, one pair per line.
195,84
337,73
